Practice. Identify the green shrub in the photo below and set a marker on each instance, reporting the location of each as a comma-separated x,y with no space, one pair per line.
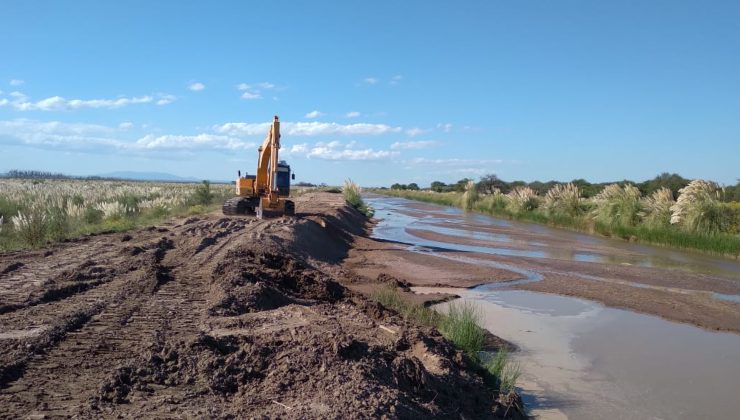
197,209
203,194
92,215
58,227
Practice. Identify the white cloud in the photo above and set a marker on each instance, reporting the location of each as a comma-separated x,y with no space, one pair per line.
250,92
336,150
415,131
298,149
126,125
16,82
166,99
251,95
198,141
314,114
371,80
421,144
94,138
352,114
313,128
447,127
196,86
396,79
58,103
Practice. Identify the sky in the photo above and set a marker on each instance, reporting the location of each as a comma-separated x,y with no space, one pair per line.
376,91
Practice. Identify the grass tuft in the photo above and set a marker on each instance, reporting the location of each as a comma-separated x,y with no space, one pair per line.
353,195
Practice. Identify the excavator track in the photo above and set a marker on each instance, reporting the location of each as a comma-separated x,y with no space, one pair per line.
238,206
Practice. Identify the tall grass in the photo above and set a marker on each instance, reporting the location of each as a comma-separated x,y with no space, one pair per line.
461,325
507,372
656,209
564,200
617,205
36,212
521,200
470,196
353,195
699,210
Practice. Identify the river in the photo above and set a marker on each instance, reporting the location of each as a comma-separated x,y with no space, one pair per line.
579,358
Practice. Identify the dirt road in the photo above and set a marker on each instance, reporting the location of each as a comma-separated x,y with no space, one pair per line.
218,316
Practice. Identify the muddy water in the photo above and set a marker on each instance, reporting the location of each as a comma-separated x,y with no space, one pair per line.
579,359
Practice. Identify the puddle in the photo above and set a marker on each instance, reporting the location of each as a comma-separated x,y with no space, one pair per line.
581,360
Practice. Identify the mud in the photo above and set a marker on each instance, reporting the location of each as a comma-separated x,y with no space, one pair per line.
220,317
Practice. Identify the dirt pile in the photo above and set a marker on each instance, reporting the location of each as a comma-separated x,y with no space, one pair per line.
219,317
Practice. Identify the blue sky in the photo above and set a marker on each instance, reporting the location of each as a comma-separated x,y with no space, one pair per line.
381,91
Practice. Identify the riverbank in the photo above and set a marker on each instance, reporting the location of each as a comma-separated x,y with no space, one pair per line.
722,244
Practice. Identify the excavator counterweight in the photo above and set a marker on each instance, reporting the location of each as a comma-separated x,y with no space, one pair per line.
264,194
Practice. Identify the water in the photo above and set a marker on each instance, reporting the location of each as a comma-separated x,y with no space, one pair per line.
400,215
580,359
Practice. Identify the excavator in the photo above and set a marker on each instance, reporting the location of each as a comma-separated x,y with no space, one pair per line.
265,194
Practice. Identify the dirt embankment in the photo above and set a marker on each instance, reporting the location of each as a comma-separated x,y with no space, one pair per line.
219,316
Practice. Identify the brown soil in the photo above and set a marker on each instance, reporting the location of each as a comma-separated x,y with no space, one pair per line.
220,317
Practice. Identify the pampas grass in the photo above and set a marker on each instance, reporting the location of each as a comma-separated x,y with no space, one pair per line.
617,205
522,199
698,209
656,209
563,200
470,196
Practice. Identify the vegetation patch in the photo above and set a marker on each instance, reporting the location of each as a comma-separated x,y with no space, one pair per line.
35,212
460,325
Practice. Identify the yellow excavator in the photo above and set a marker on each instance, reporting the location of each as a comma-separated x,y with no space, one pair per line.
266,193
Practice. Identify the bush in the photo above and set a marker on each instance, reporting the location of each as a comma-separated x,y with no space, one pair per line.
58,227
93,215
203,194
31,226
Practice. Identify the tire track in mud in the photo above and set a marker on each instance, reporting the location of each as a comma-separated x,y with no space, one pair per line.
162,292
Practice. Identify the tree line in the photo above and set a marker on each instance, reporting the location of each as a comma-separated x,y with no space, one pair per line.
489,183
